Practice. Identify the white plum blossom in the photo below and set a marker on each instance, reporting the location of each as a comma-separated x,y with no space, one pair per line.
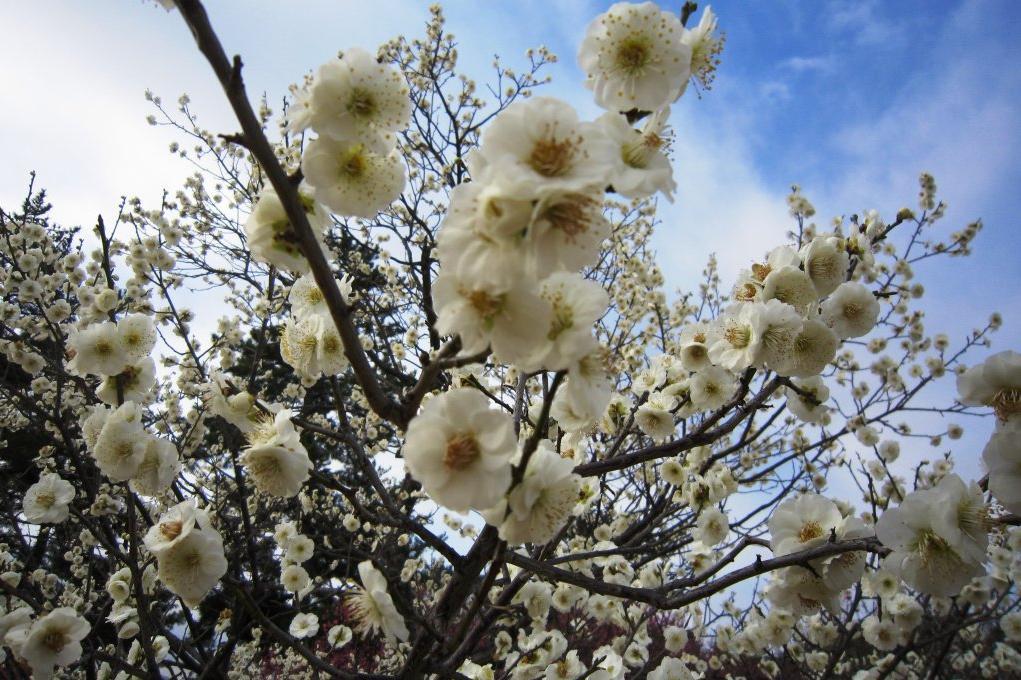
275,458
996,382
47,501
513,322
53,640
357,98
851,310
353,178
272,239
539,146
460,450
373,607
1002,457
925,559
641,167
633,57
539,506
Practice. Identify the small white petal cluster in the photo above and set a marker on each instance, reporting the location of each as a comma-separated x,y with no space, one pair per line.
309,341
272,238
189,552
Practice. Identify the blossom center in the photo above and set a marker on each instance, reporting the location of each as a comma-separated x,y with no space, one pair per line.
171,529
485,305
809,531
1007,402
738,336
462,451
633,55
361,104
353,164
552,157
571,217
46,499
54,640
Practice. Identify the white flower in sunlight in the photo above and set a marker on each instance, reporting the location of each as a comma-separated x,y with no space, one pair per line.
47,501
577,304
480,237
307,299
671,668
567,668
312,347
826,262
356,97
53,640
538,146
460,450
712,526
808,402
586,393
353,178
304,625
779,325
803,522
641,167
272,239
995,382
654,417
711,387
851,310
122,442
790,285
136,381
633,57
373,608
706,46
275,459
810,352
961,517
97,350
137,333
541,503
921,556
734,338
299,548
1002,456
566,232
159,468
514,322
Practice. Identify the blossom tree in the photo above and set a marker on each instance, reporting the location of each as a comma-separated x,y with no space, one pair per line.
449,423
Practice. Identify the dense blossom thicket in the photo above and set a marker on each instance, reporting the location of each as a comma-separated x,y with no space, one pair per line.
449,423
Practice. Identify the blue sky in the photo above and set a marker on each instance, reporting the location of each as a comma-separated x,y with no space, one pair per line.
849,99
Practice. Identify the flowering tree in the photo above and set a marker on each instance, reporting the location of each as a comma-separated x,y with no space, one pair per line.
450,425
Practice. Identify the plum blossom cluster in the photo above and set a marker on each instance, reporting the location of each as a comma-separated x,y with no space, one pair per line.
539,464
513,248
